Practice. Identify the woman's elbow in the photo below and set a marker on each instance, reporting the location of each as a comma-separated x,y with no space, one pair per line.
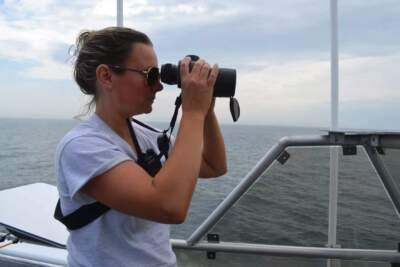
174,214
177,217
221,170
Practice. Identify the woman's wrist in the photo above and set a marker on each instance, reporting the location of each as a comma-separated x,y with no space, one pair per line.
193,116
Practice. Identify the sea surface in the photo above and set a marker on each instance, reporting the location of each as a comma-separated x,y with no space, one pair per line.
288,205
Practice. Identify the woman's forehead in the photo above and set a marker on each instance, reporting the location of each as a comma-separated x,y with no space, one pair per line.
142,56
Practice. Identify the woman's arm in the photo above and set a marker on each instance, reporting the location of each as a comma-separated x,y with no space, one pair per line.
214,157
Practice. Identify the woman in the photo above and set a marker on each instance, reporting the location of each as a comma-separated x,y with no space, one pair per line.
97,161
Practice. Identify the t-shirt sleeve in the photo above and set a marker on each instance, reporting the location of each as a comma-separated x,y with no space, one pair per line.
83,158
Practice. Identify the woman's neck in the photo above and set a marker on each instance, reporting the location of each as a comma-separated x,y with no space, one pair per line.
114,120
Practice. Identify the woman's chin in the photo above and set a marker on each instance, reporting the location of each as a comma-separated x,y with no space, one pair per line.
148,110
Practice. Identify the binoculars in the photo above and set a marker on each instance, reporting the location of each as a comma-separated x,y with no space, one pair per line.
225,85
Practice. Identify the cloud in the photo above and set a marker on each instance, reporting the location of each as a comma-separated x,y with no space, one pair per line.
273,91
369,77
35,30
26,7
59,71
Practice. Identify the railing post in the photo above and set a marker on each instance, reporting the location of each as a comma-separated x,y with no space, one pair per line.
120,13
334,161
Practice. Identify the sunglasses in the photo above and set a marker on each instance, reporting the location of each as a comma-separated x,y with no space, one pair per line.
152,74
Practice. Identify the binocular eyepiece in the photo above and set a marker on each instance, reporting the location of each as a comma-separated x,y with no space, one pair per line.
225,84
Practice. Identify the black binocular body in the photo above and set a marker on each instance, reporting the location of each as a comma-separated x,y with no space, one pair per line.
225,84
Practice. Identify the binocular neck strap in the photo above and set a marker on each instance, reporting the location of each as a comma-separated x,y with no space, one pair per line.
178,103
134,139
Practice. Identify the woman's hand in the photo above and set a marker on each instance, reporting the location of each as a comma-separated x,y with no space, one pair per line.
197,86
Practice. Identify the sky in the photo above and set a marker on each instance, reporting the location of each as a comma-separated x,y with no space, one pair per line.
280,49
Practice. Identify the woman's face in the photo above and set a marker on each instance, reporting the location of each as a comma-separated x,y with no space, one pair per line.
131,91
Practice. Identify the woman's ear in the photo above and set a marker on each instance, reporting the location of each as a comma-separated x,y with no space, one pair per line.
104,76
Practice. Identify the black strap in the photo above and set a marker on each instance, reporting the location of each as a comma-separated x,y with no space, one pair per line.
178,103
146,126
134,139
82,216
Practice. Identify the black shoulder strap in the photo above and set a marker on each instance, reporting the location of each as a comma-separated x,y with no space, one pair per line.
134,140
82,216
146,126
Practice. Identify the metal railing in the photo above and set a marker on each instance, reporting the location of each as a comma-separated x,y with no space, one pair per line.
372,143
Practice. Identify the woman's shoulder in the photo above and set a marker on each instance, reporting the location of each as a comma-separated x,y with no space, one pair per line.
84,132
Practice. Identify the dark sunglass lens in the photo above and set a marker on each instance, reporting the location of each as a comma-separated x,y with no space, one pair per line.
153,76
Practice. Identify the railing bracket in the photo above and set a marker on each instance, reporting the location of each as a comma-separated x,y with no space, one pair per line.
396,264
374,140
212,238
337,138
283,157
380,150
349,150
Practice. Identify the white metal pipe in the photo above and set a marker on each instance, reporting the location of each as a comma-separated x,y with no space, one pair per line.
16,261
334,164
120,13
334,66
334,152
292,251
55,256
333,195
36,253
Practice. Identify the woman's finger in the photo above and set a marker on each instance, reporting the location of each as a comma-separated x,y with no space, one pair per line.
184,67
205,70
212,78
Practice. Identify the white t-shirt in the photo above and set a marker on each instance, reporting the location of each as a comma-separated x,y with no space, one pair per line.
114,239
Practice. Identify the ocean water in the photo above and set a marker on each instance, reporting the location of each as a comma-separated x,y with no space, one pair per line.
288,205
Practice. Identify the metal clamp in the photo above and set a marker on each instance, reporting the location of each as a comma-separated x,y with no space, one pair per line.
396,264
212,238
380,150
374,140
349,150
337,138
283,157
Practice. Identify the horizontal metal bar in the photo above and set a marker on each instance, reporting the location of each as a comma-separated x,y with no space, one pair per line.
390,141
13,261
43,254
38,253
292,251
